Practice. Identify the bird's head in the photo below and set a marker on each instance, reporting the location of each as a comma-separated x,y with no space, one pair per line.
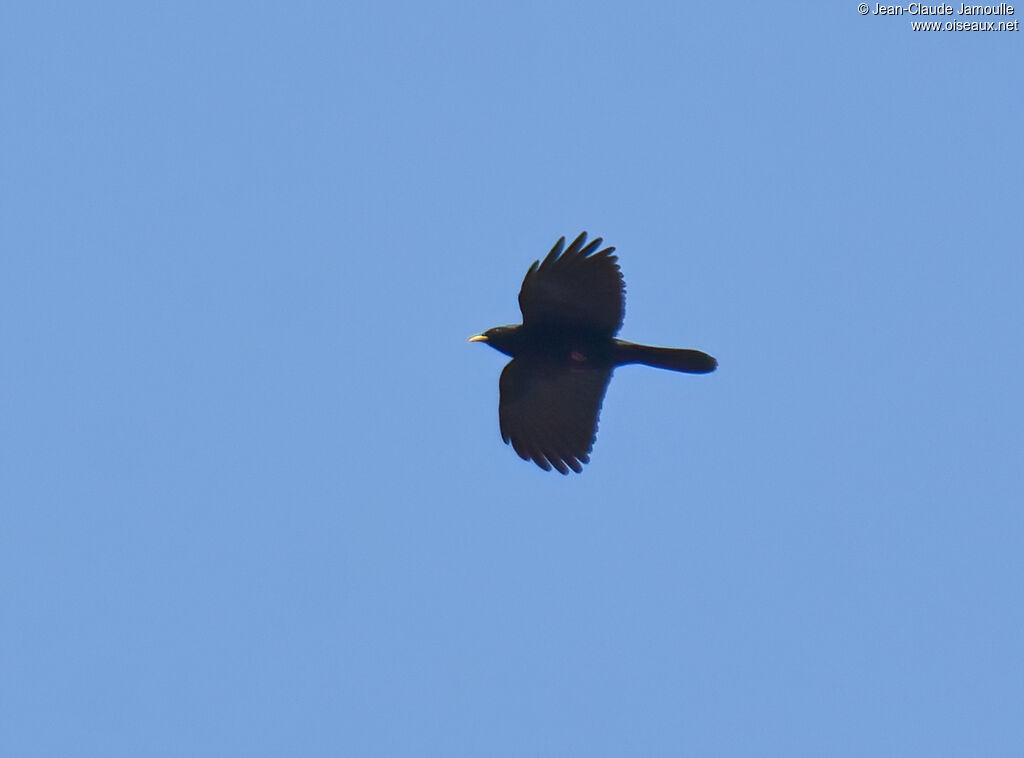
501,338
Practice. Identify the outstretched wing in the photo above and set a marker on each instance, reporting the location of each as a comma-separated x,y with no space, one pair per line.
575,289
549,412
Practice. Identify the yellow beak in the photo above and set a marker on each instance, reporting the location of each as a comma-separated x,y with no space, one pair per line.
478,338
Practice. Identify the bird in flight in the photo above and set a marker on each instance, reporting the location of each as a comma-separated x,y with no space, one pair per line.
564,352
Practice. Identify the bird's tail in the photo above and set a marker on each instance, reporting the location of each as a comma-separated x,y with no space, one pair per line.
690,361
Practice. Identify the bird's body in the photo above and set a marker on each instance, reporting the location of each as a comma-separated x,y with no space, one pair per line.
564,352
581,347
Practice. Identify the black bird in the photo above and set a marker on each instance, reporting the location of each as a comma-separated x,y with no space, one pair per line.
564,352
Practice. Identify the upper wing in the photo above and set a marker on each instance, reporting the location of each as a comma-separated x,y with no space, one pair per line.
549,412
579,288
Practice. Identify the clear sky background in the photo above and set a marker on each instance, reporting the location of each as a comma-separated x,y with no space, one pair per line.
254,498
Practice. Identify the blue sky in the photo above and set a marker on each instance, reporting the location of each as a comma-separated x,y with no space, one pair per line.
254,499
